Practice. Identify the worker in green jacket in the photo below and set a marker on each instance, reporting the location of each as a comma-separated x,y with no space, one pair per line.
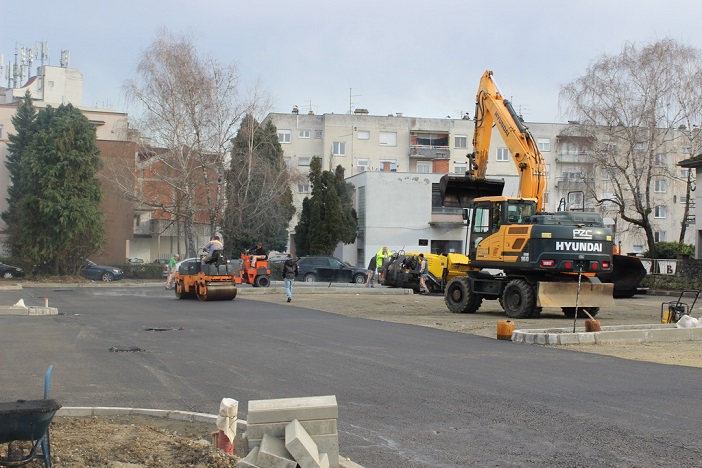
381,259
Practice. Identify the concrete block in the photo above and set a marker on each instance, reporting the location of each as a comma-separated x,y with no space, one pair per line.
287,409
75,411
347,463
541,338
568,338
588,338
668,335
273,454
301,446
696,334
326,443
623,336
250,460
313,427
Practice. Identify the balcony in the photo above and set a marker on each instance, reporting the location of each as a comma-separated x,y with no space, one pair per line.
577,157
429,152
570,182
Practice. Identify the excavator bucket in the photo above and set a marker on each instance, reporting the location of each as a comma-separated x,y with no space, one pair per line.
626,275
554,294
459,191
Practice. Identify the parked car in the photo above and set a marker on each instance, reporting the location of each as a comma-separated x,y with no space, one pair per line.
329,269
96,272
135,260
8,271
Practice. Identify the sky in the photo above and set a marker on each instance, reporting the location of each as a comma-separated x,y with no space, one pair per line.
418,58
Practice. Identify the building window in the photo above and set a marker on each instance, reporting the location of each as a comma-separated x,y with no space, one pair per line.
547,197
686,150
0,132
388,165
339,148
363,135
544,144
639,145
362,164
659,211
460,168
424,167
659,236
303,134
318,134
388,138
684,173
303,161
460,141
661,159
284,136
303,188
502,154
288,162
683,199
660,186
638,248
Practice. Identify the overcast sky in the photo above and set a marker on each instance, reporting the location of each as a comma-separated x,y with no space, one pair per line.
420,58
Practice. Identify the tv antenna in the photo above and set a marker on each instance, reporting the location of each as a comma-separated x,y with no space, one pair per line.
351,96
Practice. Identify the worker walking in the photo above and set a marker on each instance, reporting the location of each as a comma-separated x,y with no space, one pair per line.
171,270
381,259
290,271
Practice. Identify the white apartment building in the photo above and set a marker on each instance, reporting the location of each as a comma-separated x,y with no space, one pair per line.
394,161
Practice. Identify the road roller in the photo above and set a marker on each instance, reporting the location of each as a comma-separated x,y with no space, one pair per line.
206,282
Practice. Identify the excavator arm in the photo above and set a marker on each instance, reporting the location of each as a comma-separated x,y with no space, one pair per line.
492,109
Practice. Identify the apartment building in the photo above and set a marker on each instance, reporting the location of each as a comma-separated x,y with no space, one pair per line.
408,155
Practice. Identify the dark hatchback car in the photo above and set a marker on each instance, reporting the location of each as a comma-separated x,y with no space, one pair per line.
329,269
101,273
8,271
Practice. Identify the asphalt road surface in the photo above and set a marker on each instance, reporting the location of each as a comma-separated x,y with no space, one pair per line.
408,396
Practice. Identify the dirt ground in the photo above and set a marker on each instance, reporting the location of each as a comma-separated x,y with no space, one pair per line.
131,442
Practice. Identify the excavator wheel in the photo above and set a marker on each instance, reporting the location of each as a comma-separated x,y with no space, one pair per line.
570,311
459,296
518,299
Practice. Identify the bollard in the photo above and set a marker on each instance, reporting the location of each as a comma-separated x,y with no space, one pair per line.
46,302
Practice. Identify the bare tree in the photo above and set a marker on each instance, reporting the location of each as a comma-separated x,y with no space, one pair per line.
634,105
189,107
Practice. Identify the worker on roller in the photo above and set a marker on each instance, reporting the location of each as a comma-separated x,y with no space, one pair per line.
213,249
258,253
381,259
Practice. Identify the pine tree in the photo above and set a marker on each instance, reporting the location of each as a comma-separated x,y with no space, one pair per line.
61,191
328,216
259,198
24,122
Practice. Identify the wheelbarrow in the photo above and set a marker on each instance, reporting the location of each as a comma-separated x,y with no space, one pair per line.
28,421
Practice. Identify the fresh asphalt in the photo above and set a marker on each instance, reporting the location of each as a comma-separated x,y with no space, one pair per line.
408,396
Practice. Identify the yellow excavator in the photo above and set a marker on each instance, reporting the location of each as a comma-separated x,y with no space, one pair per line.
517,253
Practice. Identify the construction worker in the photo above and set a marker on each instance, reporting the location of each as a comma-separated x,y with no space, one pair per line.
381,258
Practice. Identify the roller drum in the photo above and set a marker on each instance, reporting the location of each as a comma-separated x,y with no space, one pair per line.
216,291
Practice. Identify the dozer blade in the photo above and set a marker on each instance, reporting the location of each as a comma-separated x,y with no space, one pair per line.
459,191
553,294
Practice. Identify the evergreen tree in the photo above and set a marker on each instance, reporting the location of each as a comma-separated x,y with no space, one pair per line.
328,216
60,191
24,122
259,198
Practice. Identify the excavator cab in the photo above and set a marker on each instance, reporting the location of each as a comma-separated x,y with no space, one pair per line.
489,238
